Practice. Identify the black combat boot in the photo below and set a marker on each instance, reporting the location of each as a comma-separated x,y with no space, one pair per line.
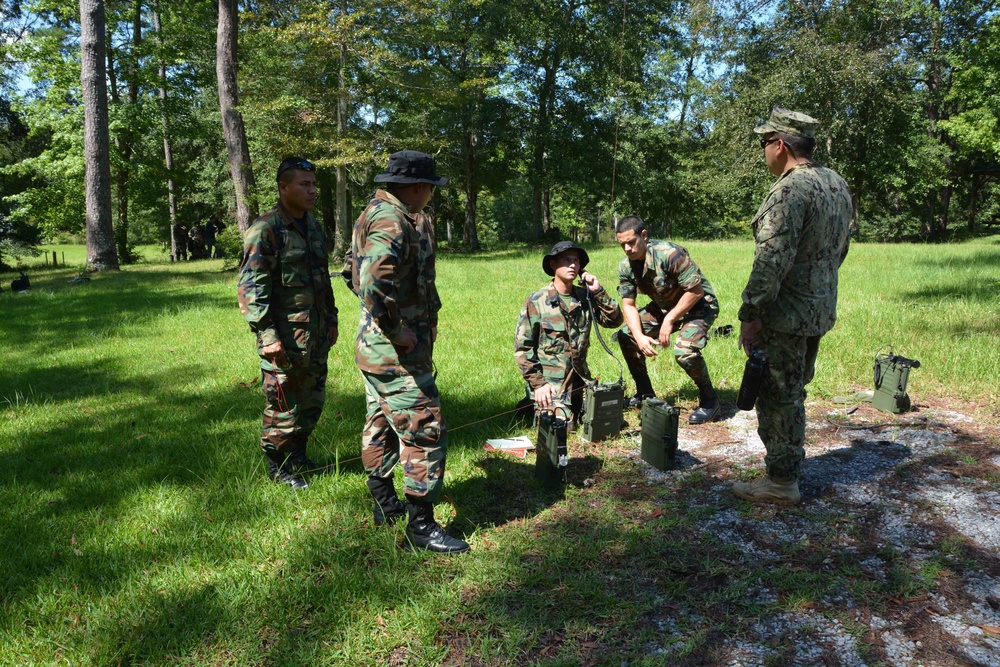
708,406
280,470
299,462
423,532
388,507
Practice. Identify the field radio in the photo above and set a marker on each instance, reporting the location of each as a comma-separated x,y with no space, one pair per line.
892,372
659,433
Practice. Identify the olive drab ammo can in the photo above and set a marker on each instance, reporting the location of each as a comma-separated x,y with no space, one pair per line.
602,411
551,455
659,433
892,372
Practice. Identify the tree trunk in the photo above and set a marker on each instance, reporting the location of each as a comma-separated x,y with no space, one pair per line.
101,255
168,156
123,138
226,65
344,222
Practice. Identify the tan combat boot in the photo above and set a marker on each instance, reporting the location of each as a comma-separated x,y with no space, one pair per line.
767,490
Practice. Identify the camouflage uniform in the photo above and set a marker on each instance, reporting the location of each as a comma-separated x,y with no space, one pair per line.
392,272
667,274
802,233
285,295
552,339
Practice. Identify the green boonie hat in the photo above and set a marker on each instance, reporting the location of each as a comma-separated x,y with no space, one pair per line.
792,123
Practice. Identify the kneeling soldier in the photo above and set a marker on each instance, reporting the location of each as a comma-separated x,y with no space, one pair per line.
553,332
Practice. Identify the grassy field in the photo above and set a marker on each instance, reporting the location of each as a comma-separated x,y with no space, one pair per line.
141,529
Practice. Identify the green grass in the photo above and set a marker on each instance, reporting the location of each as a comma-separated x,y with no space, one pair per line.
140,528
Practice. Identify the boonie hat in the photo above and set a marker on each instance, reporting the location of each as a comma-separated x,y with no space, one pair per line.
411,167
559,249
791,123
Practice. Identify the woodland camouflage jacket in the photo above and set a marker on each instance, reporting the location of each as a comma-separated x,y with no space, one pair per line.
284,287
667,273
552,338
392,272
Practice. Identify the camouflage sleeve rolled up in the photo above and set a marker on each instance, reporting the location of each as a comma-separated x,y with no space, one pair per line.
606,309
777,226
378,273
255,286
526,345
627,287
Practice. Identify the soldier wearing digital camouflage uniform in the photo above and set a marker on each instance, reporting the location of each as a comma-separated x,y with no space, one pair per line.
682,301
285,295
392,272
553,332
802,234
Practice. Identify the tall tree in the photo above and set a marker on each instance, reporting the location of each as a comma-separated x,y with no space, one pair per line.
168,156
237,148
101,253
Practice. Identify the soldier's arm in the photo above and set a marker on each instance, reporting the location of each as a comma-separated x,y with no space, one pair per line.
609,314
526,345
778,228
378,273
255,286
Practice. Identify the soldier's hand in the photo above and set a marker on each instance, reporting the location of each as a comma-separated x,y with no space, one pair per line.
749,332
666,329
434,334
543,397
275,353
332,334
645,344
406,339
591,282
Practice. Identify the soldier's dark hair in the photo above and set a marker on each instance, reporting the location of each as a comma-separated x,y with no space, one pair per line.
630,223
800,146
288,167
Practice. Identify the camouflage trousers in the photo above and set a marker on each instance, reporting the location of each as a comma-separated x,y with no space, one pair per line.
404,423
781,412
294,399
690,340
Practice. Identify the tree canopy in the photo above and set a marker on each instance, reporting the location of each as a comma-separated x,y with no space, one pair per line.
550,116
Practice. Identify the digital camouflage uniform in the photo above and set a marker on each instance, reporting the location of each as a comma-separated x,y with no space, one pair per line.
392,272
285,295
552,339
667,273
802,233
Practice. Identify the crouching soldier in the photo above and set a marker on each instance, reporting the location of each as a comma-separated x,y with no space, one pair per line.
553,332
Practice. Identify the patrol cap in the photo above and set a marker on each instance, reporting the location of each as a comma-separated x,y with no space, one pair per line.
792,123
411,167
559,249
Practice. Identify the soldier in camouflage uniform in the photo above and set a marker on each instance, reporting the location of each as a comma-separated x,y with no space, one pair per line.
682,301
553,331
802,232
392,272
285,295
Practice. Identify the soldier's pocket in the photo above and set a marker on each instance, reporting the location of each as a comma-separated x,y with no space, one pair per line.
552,337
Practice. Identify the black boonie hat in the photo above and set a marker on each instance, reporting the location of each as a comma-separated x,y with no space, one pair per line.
559,249
411,167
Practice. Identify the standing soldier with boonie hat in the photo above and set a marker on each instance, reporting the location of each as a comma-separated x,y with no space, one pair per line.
553,331
392,272
802,234
285,296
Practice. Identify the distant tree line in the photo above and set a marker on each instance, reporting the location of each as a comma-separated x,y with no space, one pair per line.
552,117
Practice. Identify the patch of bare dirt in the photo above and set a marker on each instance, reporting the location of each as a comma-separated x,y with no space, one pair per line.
912,500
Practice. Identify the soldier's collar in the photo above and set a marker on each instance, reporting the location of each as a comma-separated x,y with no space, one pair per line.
390,198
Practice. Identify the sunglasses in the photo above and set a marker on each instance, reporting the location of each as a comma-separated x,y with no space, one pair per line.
304,165
765,142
